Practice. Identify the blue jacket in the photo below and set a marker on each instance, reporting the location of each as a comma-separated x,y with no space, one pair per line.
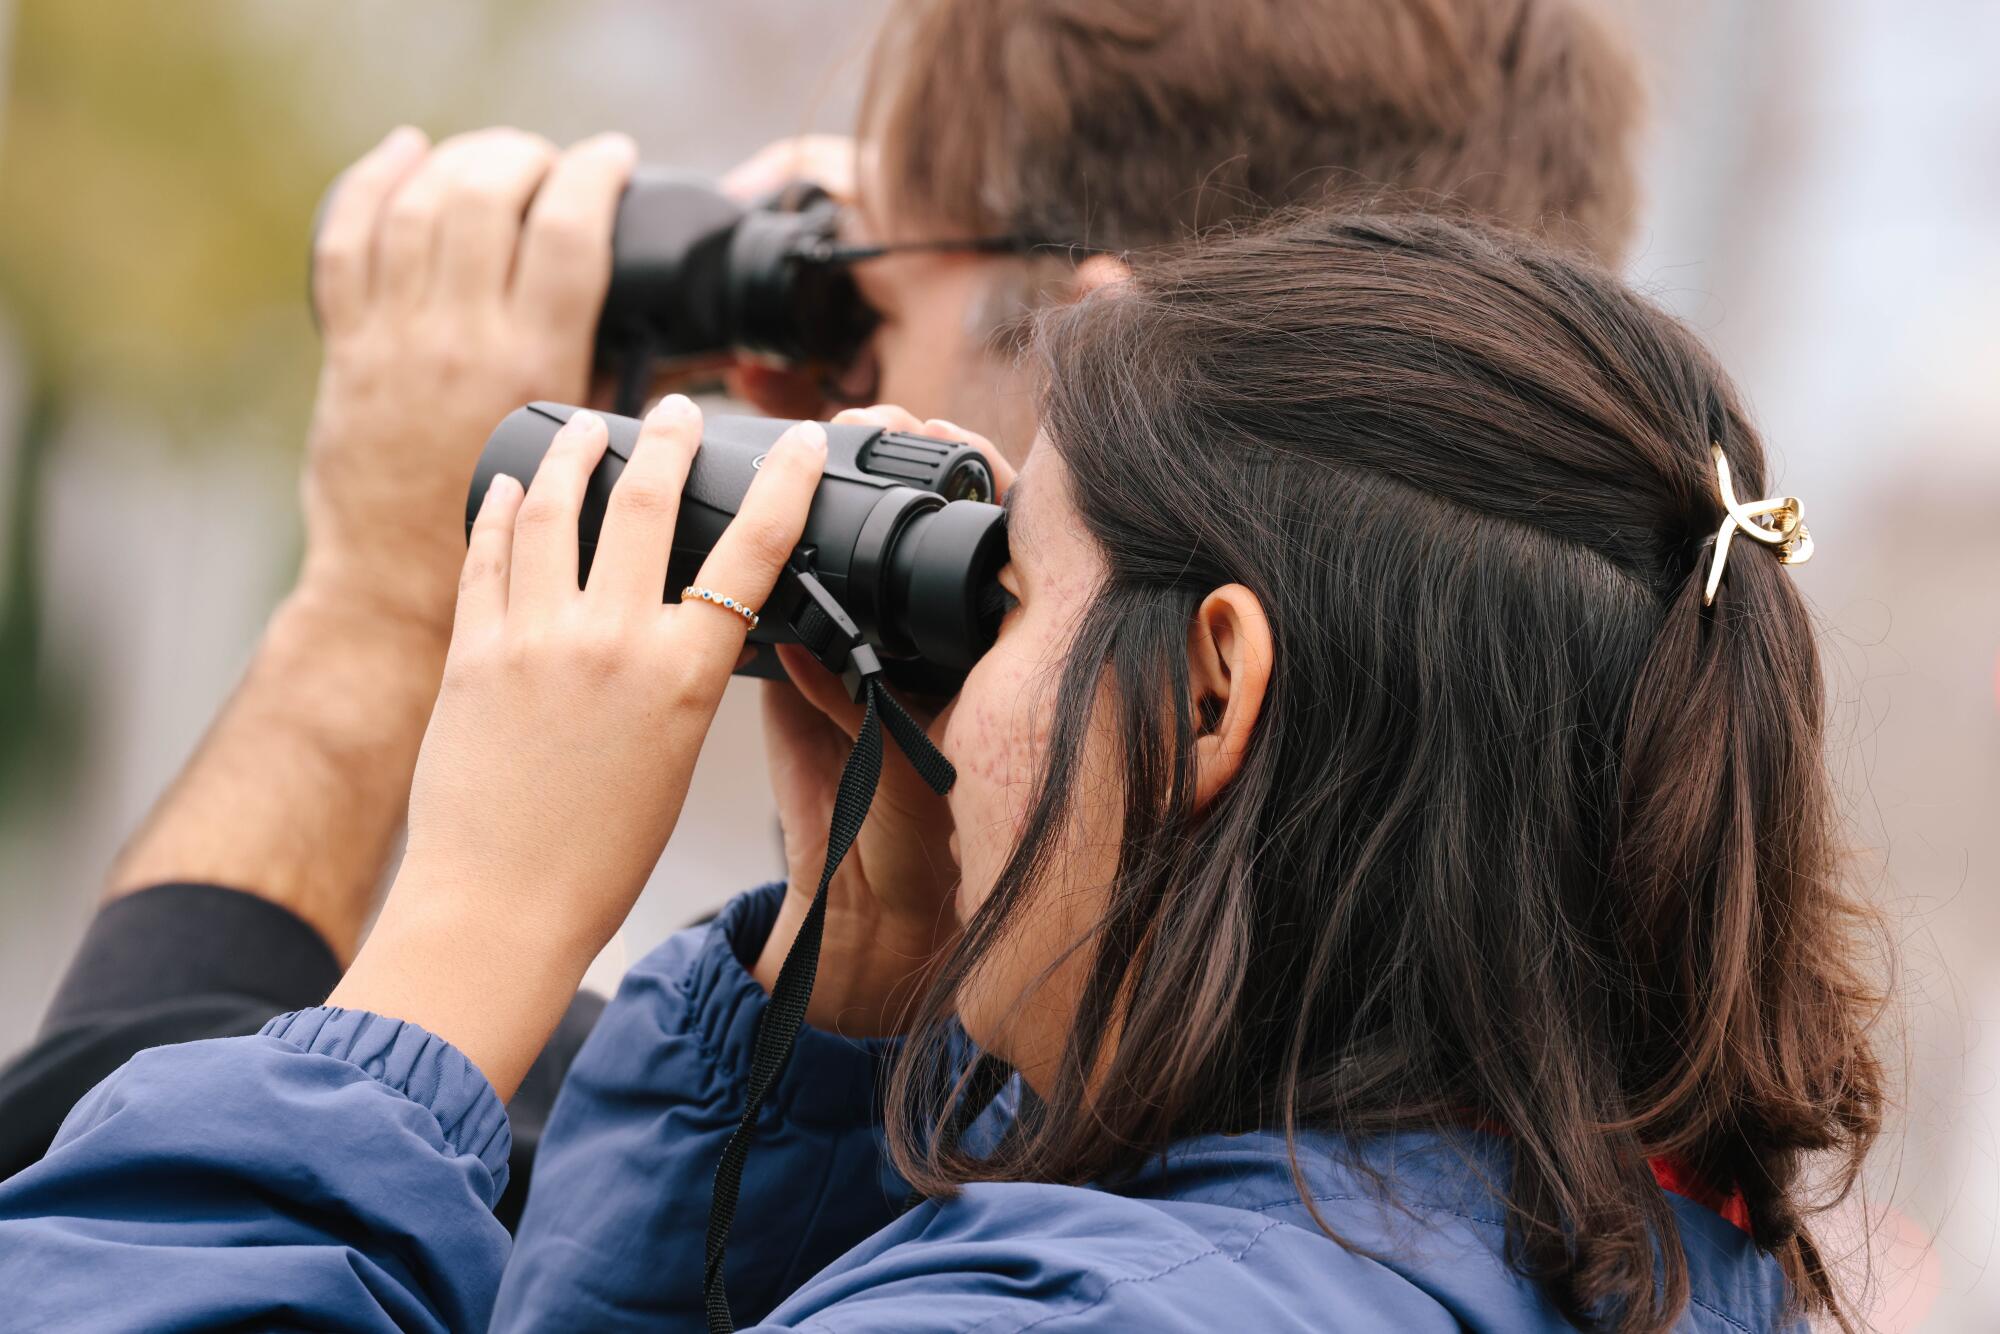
338,1171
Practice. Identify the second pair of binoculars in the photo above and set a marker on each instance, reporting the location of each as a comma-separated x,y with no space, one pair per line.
696,276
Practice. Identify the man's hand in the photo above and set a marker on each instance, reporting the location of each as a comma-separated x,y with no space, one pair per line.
827,160
448,299
889,906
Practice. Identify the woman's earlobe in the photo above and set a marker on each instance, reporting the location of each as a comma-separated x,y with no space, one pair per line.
1229,671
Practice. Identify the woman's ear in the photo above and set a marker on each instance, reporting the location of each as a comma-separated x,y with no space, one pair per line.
1229,669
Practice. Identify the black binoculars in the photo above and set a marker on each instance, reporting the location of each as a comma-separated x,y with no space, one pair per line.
695,274
901,552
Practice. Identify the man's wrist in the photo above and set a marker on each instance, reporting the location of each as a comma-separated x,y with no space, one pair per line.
367,677
377,599
297,791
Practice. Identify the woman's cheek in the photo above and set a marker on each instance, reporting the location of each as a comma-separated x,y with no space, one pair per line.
995,736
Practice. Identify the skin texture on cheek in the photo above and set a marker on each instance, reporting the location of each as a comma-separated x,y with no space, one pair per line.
998,736
999,730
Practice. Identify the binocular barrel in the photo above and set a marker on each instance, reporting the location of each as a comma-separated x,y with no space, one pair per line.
902,531
696,274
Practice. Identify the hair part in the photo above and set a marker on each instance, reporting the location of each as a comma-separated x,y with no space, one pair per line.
1526,836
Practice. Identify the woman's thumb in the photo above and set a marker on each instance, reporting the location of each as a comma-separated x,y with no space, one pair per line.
822,689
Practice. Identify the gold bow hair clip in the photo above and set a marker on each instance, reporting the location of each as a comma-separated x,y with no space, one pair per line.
1776,521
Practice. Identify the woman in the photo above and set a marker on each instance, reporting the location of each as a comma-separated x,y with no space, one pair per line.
1393,852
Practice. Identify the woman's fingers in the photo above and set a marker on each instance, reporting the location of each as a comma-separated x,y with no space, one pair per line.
630,567
343,248
892,418
752,551
545,542
482,583
885,415
937,428
820,688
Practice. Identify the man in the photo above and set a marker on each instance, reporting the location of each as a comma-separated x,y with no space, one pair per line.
1118,125
455,283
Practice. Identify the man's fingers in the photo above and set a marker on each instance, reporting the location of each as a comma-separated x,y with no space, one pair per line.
342,250
565,261
630,567
406,241
545,542
827,160
482,582
496,174
746,561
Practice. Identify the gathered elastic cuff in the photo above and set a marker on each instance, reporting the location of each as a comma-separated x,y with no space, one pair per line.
415,1063
829,1080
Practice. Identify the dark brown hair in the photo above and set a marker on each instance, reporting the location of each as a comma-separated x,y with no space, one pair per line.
1526,836
1128,123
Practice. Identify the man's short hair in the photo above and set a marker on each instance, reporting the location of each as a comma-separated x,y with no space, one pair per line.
1126,123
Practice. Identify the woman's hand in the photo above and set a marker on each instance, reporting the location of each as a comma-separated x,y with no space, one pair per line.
567,728
889,913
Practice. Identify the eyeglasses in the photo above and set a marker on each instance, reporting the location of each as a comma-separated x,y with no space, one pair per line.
829,251
838,384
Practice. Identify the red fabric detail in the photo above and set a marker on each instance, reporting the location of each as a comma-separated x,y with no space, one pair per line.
1676,1178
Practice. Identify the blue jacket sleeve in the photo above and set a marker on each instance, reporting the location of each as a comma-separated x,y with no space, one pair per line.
335,1171
614,1231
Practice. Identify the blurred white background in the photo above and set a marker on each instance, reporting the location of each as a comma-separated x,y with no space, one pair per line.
1822,188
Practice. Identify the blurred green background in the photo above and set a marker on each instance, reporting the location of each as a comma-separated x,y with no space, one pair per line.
1822,181
160,165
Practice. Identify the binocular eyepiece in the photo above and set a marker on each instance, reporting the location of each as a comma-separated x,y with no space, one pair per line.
903,534
694,273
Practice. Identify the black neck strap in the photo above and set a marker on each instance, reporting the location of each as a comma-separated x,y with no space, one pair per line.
825,628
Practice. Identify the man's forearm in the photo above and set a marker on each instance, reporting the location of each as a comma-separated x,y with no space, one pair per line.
298,790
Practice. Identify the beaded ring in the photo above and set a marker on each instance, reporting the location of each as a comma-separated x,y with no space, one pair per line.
736,605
